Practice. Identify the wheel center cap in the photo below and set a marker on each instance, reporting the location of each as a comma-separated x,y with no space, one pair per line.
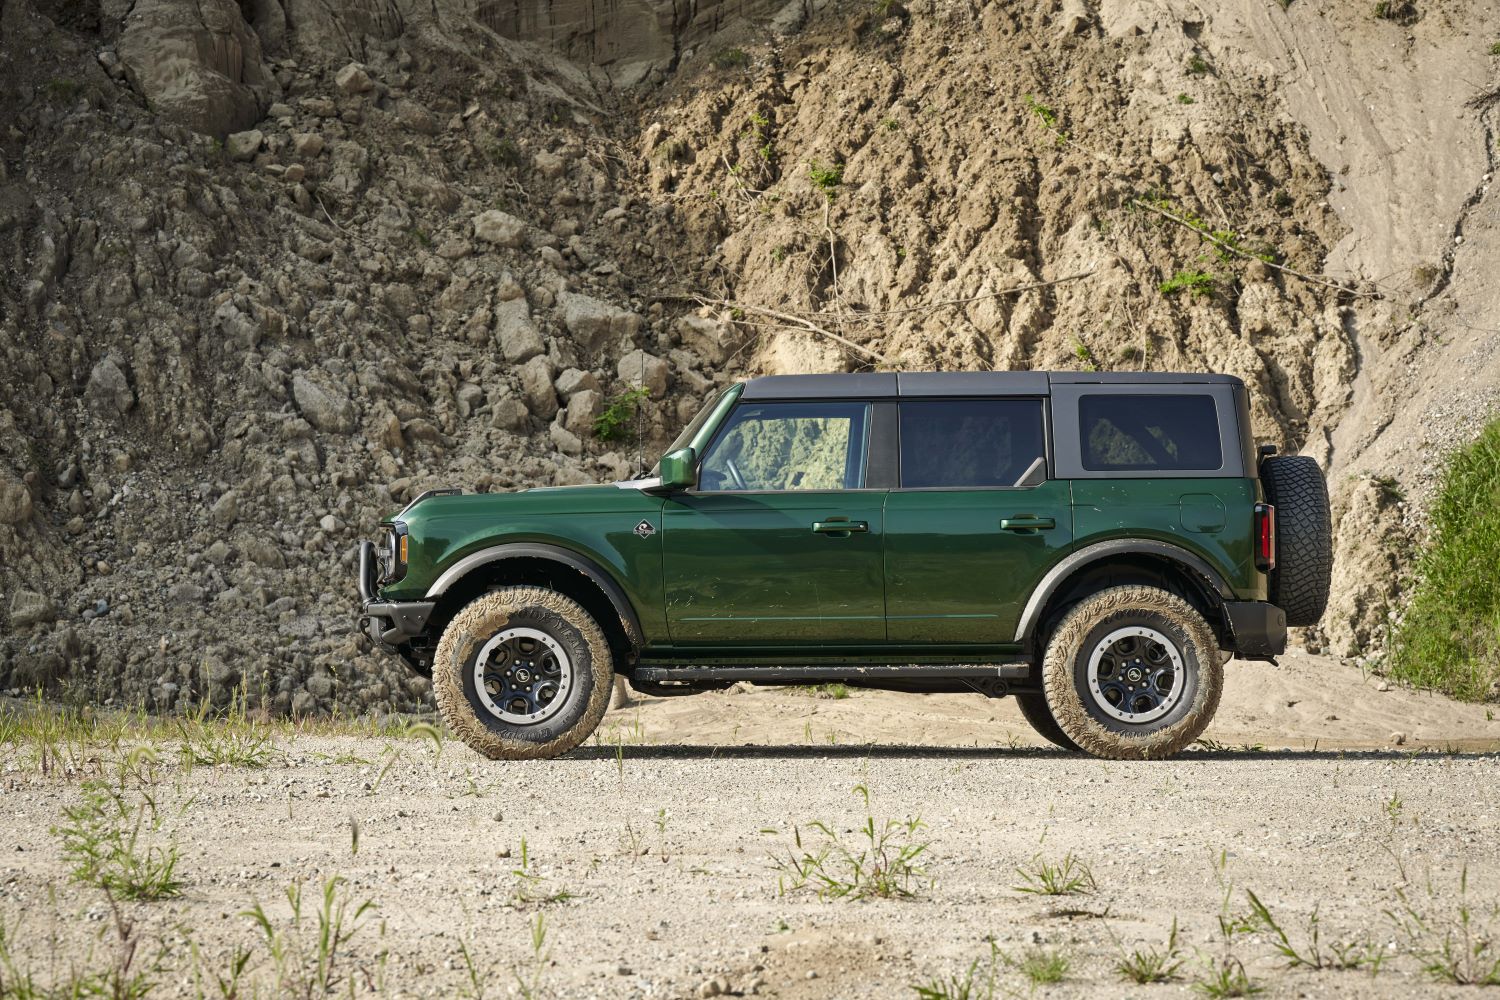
1134,673
523,676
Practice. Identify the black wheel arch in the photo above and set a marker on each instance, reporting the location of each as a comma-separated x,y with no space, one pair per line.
554,567
1123,562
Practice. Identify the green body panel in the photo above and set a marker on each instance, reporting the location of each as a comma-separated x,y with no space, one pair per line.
1211,518
953,574
744,576
597,522
747,568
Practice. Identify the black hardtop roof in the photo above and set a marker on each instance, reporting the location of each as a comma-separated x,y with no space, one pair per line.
890,385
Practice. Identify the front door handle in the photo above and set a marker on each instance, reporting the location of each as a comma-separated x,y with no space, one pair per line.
1026,523
840,528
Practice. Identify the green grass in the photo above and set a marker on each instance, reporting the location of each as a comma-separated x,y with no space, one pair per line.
1151,965
1200,284
1449,638
1224,979
1185,99
1042,966
109,841
309,951
1069,877
886,860
833,691
731,59
612,424
826,179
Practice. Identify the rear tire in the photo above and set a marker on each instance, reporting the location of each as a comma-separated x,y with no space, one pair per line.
1299,584
522,673
1132,673
1034,709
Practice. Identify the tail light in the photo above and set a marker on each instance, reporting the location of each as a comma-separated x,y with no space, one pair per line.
1265,537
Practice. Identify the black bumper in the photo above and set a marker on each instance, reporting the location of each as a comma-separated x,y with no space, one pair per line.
387,623
1257,630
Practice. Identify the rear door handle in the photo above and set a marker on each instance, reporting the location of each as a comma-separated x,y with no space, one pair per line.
839,527
1027,523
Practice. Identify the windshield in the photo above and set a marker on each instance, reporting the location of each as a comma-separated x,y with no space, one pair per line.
694,426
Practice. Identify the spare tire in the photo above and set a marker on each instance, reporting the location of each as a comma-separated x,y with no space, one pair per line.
1304,537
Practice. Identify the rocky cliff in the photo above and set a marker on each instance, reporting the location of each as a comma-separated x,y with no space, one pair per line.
272,266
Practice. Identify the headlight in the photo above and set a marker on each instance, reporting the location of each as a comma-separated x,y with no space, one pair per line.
392,549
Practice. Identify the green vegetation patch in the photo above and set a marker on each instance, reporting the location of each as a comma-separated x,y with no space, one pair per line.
1450,637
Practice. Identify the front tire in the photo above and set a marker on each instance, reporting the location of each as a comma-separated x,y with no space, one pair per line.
1035,711
1132,673
522,673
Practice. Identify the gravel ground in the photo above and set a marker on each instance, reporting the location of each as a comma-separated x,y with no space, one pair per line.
664,839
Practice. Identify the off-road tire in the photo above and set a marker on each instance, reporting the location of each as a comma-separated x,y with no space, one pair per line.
1295,486
1064,672
1035,711
544,610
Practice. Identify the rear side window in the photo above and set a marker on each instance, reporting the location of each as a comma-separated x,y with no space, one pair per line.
973,443
1136,432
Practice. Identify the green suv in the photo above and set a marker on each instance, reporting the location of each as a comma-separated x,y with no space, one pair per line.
1094,545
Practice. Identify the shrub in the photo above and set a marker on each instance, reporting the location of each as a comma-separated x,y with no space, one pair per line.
1200,283
731,59
826,179
610,425
1450,636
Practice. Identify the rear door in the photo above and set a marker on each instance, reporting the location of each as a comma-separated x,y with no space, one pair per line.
780,544
976,521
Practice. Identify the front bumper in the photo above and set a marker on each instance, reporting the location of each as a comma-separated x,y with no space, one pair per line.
1257,629
387,623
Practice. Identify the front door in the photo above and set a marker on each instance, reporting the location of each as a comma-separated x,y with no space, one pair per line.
780,544
975,524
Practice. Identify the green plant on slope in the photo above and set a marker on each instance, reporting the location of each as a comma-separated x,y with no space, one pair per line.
1449,638
826,179
612,423
1200,284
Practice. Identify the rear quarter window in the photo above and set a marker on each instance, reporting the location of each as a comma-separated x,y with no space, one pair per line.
1165,432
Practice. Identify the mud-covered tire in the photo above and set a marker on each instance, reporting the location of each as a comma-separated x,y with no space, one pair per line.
577,637
1080,713
1299,584
1035,711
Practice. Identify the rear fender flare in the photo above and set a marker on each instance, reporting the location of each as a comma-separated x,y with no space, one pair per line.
1068,565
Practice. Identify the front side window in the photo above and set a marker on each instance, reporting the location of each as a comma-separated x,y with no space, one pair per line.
788,446
975,443
1127,433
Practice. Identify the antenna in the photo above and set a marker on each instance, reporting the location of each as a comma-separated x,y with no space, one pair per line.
640,419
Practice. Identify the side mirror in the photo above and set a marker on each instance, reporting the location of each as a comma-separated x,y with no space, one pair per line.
679,469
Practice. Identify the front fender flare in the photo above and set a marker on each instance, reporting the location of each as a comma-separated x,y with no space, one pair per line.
1031,615
554,553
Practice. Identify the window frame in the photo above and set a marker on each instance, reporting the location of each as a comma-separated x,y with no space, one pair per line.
1067,429
727,424
1039,400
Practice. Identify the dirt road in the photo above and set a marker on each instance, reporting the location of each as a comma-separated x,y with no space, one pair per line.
662,841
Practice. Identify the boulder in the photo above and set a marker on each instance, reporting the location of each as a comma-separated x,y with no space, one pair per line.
108,390
536,388
499,228
354,79
641,369
515,332
244,145
307,144
197,63
585,405
30,608
15,500
594,323
325,407
575,380
711,339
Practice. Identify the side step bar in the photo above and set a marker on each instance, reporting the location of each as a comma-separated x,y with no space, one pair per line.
815,672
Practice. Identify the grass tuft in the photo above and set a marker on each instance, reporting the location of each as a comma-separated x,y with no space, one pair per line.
1201,284
1449,639
1151,965
108,842
886,861
1070,877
